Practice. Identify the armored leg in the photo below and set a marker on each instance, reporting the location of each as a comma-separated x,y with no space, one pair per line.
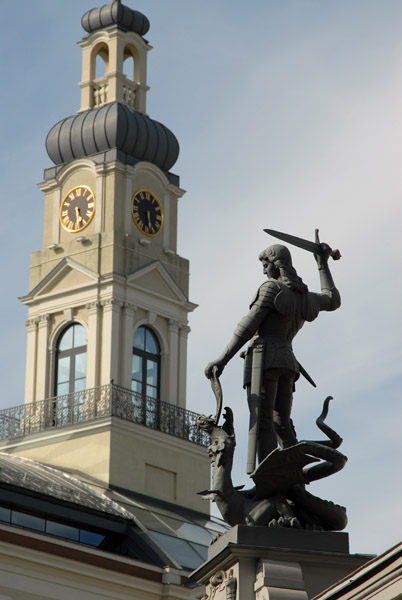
267,440
283,406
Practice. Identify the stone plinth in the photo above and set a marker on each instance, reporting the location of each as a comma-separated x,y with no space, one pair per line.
261,563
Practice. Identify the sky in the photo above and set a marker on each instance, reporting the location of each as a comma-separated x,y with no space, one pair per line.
289,116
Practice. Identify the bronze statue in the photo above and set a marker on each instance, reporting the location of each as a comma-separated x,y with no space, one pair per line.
278,311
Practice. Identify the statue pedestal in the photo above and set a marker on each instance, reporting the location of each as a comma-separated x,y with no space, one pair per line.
262,563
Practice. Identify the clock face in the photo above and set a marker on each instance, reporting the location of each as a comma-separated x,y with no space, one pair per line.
147,213
77,209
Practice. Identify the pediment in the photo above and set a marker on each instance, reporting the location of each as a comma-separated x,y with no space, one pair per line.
155,279
67,275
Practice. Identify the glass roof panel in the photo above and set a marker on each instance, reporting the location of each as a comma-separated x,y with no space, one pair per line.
179,549
203,550
164,524
195,533
216,526
192,531
150,520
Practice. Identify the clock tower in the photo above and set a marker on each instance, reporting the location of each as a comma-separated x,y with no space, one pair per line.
109,300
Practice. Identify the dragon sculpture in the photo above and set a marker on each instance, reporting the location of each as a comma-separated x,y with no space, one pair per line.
279,497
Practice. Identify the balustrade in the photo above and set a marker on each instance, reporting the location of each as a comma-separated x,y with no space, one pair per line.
104,401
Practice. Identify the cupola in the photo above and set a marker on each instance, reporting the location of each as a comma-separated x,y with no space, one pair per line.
113,97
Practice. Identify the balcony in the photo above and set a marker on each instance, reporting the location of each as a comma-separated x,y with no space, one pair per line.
96,403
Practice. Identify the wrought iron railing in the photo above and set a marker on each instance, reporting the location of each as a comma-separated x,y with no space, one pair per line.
103,401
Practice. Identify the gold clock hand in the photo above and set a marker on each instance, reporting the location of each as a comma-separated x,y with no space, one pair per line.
78,217
149,218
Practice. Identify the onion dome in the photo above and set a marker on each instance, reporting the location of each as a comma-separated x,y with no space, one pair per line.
115,14
110,126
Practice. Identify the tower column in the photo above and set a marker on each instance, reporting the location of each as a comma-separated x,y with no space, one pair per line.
115,69
173,332
42,357
127,344
110,340
93,344
140,78
181,396
30,370
166,229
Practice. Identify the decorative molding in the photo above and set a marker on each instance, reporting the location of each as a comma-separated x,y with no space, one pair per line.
151,317
274,578
185,330
112,166
44,320
222,586
173,325
31,323
65,264
68,314
93,307
176,295
130,307
110,303
175,191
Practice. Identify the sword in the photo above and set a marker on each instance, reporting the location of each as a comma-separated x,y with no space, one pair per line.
306,375
314,247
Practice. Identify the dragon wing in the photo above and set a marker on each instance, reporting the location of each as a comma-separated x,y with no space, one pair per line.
281,470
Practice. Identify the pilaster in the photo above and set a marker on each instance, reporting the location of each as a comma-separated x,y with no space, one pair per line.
110,340
42,358
99,192
173,333
93,344
166,227
279,578
31,360
182,375
127,344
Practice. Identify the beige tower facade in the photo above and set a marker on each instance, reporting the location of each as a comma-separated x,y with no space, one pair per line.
117,272
109,300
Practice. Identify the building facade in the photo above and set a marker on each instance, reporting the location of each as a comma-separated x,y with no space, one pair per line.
100,467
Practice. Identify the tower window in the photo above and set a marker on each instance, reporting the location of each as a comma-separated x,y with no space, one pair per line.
145,363
101,61
128,67
100,67
71,360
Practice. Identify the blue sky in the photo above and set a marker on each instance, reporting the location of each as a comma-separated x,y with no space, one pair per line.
289,116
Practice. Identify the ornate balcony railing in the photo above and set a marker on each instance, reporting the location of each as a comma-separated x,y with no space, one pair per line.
103,401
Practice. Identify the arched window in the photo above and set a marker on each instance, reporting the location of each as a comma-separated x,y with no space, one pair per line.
101,61
100,66
128,66
71,360
146,363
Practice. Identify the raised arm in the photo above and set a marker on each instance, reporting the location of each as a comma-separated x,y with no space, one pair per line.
329,299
